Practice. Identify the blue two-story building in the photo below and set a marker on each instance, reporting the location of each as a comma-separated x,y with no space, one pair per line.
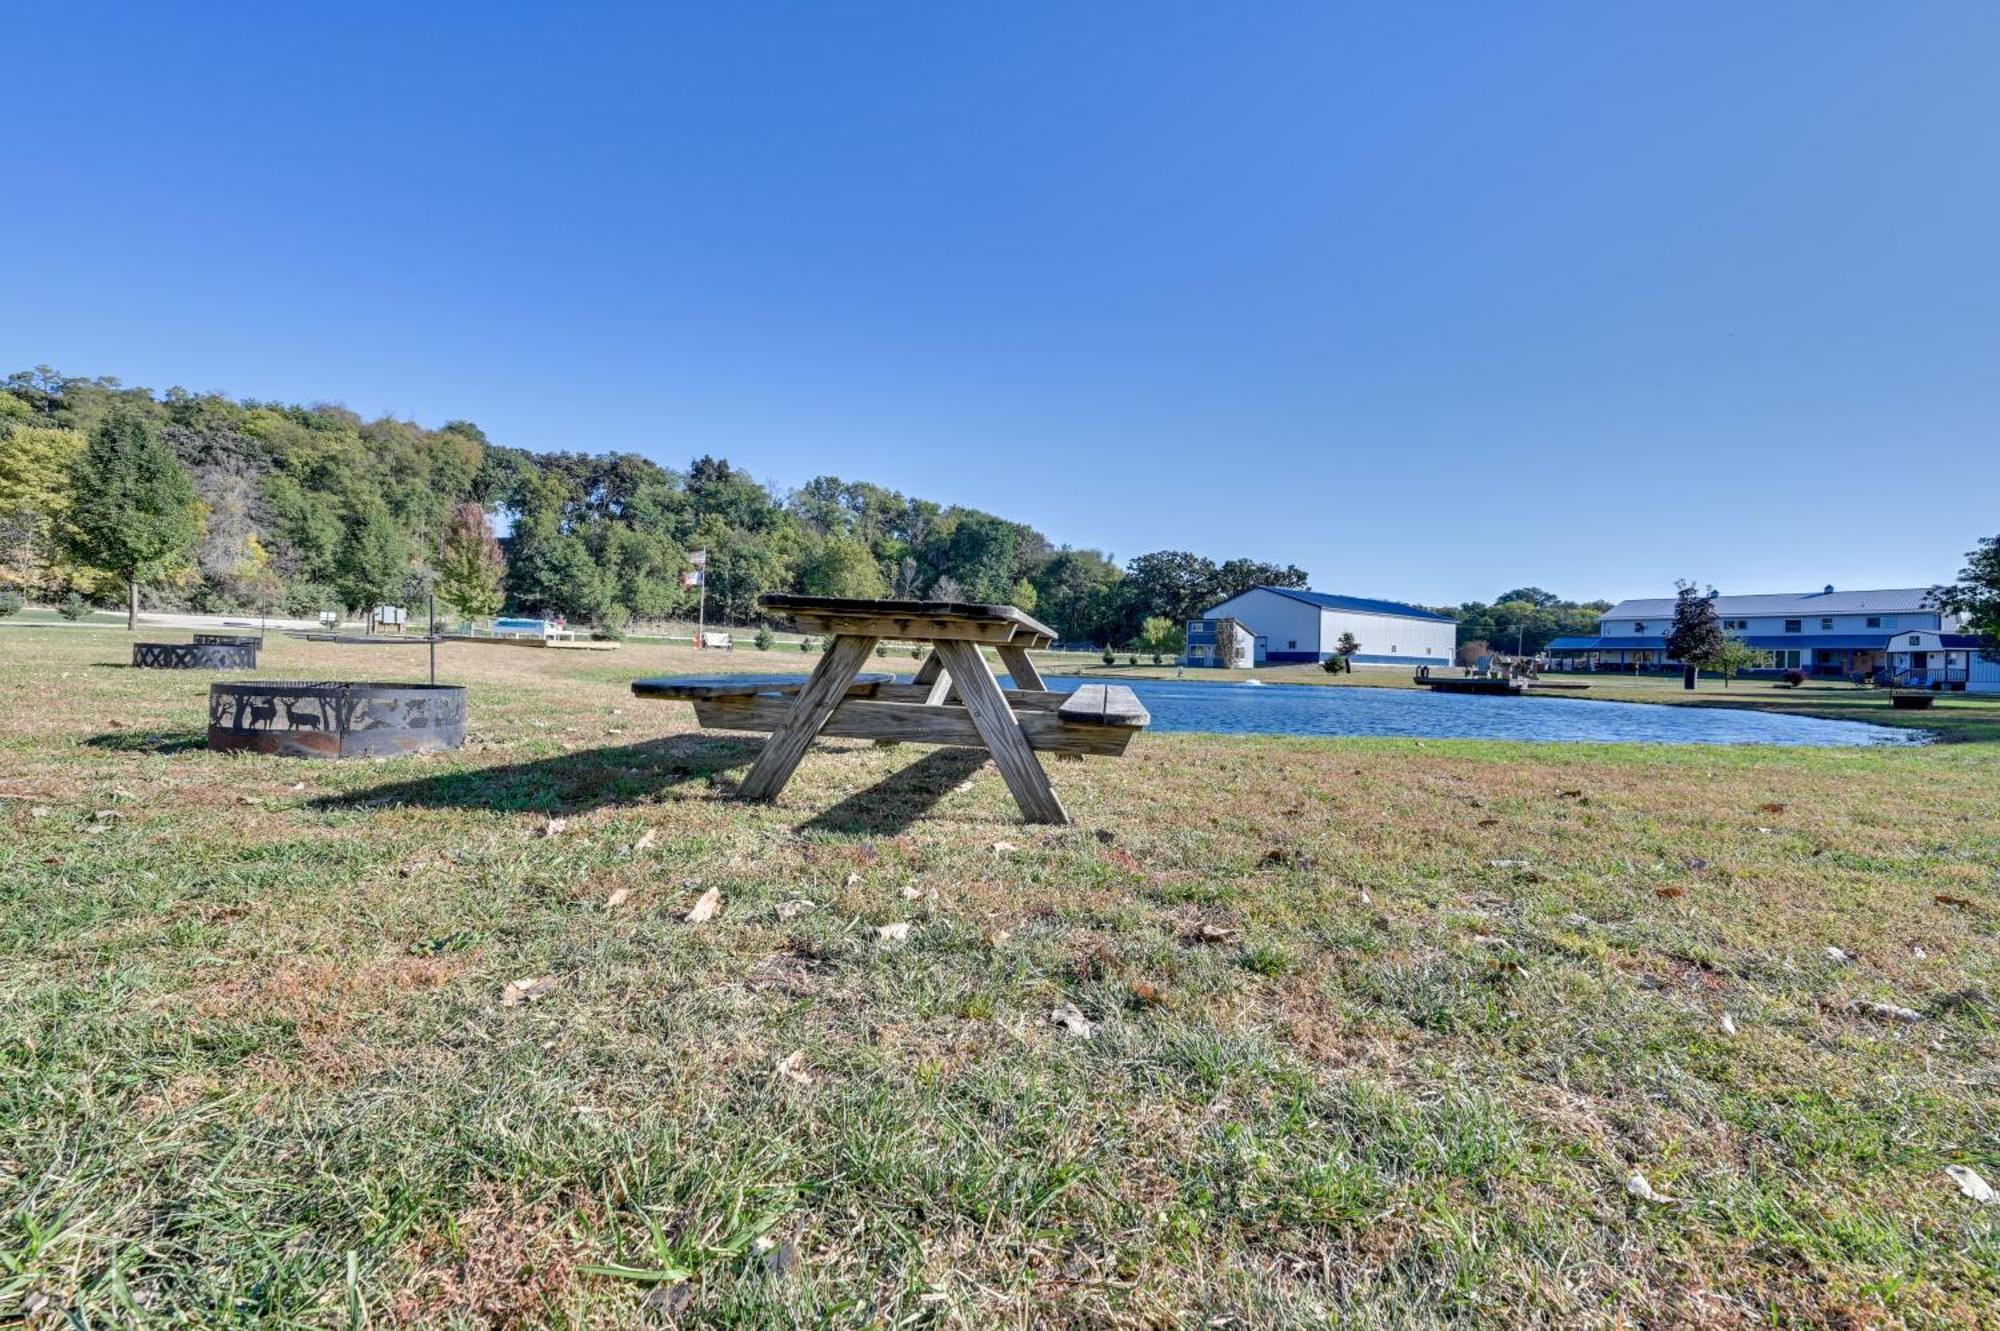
1891,635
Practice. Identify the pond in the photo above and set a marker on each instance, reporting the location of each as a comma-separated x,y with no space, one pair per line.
1302,709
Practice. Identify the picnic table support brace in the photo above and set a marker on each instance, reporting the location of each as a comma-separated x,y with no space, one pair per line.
822,693
994,719
1021,669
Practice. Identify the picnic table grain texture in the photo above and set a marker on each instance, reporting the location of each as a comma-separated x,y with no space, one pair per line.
954,699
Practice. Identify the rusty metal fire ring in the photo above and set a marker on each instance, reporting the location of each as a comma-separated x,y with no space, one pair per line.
335,719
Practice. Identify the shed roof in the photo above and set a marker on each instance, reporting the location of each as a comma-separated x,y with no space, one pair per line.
1359,604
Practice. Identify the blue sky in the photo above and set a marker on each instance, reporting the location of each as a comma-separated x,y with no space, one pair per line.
1432,300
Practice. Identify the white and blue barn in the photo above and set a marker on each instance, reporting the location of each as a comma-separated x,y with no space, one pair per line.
1293,625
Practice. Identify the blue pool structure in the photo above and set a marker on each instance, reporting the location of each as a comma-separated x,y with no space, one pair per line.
1334,711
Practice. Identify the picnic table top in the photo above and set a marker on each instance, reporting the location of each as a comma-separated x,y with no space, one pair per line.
999,624
732,686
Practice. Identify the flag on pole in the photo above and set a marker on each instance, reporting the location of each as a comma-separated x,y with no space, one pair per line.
699,558
693,579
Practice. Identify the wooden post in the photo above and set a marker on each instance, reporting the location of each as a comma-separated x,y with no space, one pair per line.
815,703
980,693
1023,670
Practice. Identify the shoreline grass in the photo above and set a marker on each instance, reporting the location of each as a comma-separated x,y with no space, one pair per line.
1379,1028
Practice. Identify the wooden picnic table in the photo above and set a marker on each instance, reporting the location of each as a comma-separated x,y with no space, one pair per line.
953,700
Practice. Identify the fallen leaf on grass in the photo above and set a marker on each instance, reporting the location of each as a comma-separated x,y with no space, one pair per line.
526,990
647,840
912,893
1572,794
792,1067
1963,903
791,910
1637,1185
1968,1181
1489,822
1887,1011
705,907
1004,848
1772,806
1214,933
1506,864
889,934
1070,1019
618,898
670,1300
1147,994
555,827
1727,1024
1670,893
1837,957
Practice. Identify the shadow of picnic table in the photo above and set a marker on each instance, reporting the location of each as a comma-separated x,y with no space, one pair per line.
575,782
563,783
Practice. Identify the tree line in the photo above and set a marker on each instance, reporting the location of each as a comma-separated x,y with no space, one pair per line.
196,501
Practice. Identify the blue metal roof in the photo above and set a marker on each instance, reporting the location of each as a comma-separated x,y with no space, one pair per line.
1837,642
1359,604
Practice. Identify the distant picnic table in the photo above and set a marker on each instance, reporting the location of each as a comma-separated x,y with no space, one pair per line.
954,699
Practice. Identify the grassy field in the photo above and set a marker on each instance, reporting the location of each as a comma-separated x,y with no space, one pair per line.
1366,1033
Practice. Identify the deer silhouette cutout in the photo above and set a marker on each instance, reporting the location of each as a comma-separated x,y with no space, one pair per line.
299,719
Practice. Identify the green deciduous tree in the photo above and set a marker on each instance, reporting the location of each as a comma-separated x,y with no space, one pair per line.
470,567
1733,657
132,507
373,557
1160,636
841,566
1975,597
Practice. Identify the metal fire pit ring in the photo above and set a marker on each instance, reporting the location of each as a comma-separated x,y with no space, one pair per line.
194,656
334,718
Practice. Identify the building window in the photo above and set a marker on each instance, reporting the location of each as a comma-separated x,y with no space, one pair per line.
1915,641
1393,649
1638,628
1874,621
1737,625
1826,626
1292,644
1795,626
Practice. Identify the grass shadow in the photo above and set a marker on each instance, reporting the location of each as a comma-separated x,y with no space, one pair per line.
895,804
145,741
566,783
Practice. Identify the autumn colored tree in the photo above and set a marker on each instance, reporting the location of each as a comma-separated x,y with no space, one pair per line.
470,566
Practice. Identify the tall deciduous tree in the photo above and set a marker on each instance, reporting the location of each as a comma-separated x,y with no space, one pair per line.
1696,636
373,556
470,566
1976,595
132,507
841,566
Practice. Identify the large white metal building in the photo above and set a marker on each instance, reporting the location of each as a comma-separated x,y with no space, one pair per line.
1294,625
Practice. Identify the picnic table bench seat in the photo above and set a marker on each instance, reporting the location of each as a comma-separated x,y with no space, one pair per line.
954,699
689,688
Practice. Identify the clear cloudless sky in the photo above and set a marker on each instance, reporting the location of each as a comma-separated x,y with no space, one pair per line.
1433,300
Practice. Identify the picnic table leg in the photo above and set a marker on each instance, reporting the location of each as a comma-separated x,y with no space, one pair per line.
933,673
994,719
1021,669
822,693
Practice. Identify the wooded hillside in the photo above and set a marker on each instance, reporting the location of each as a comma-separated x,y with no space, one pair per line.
303,508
